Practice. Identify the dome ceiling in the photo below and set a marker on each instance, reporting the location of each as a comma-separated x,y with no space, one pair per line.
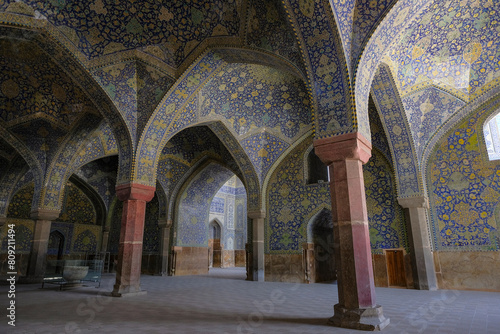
169,30
454,45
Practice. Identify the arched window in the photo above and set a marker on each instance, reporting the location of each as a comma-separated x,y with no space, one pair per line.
492,137
317,170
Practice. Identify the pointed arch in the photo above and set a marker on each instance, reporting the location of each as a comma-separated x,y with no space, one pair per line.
392,114
388,31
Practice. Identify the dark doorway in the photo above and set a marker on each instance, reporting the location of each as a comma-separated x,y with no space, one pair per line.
214,245
324,260
396,268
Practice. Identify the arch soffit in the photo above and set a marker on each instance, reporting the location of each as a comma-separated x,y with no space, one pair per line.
395,123
57,46
399,17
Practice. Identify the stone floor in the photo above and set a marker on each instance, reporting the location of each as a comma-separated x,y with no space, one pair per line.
224,303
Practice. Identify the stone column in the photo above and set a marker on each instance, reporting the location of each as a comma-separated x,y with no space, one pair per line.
38,254
345,156
424,274
105,238
164,242
257,244
128,273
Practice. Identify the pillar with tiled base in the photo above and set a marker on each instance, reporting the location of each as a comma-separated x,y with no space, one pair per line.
38,253
128,273
423,261
345,156
257,244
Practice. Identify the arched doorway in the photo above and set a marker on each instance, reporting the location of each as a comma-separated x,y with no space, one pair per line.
214,244
319,257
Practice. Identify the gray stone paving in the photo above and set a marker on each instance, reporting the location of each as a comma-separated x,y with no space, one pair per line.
223,302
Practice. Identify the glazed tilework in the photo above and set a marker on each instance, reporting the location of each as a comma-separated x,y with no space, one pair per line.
291,204
263,150
101,176
386,34
104,26
388,102
385,216
169,117
249,175
327,70
58,172
464,188
366,15
32,83
24,235
289,201
13,172
99,99
191,223
42,138
77,208
217,205
455,45
426,111
254,96
119,81
20,204
379,139
184,150
268,28
86,239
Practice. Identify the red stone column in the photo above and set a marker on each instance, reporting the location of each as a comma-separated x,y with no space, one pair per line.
128,273
345,156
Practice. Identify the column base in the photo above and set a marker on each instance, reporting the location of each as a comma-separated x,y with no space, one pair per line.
127,291
258,276
367,319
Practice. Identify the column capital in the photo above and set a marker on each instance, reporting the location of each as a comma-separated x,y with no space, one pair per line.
414,202
135,191
258,214
343,147
45,214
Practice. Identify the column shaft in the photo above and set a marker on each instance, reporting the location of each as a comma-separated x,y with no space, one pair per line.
257,245
128,271
422,260
345,156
